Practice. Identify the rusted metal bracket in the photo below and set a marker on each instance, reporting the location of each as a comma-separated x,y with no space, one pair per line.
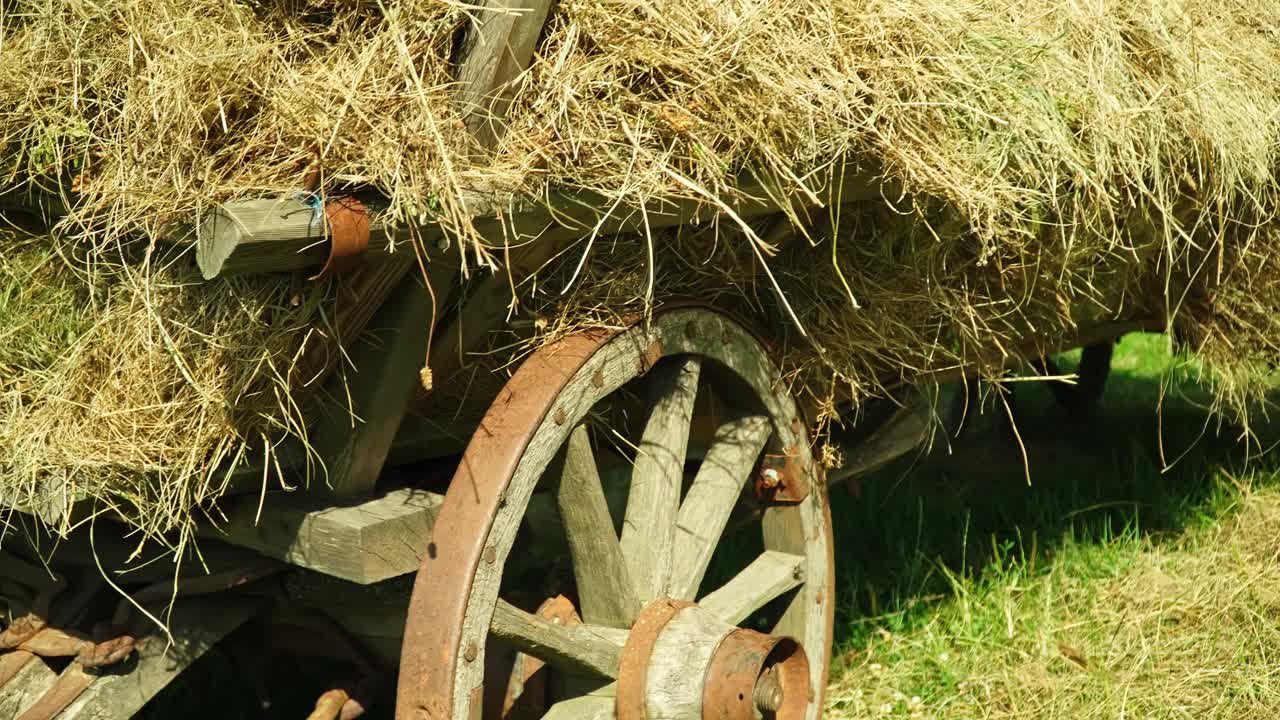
782,478
348,226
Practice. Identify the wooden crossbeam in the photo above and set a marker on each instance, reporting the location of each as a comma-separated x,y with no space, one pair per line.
363,543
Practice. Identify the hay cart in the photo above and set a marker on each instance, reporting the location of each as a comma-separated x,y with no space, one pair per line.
634,527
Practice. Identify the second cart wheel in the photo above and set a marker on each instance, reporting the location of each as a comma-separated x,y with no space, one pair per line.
680,566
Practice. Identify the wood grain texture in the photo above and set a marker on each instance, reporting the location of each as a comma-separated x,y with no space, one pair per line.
497,50
711,498
23,679
767,577
606,593
386,361
577,649
587,707
649,529
364,543
678,665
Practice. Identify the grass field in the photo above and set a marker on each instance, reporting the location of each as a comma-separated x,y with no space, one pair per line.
1109,587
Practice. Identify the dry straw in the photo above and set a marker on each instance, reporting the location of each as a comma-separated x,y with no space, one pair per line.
1063,163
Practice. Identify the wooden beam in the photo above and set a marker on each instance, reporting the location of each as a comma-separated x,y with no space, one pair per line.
497,51
275,235
365,543
365,405
264,245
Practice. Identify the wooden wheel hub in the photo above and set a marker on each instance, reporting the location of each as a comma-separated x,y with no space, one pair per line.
744,674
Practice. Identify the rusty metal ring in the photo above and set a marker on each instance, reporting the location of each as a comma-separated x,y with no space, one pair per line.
347,222
629,701
739,661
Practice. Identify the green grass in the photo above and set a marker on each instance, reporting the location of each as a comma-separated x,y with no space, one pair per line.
1112,585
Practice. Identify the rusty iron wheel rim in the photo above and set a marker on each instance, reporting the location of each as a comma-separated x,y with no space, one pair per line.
454,595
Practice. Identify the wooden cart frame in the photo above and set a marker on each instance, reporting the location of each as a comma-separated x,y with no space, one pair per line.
723,448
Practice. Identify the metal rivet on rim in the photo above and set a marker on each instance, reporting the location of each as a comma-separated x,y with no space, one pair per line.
561,417
691,330
490,554
470,654
597,380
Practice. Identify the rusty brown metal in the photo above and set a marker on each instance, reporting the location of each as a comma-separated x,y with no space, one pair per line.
433,631
782,479
21,630
108,652
752,671
629,704
348,223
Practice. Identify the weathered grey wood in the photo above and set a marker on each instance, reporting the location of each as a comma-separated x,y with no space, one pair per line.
30,678
195,625
674,680
557,219
355,439
275,235
606,593
711,499
767,577
649,529
364,543
497,51
587,707
578,649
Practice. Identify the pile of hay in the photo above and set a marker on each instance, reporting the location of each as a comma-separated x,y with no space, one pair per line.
1060,163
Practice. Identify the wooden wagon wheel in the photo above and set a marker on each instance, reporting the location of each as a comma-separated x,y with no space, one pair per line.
637,634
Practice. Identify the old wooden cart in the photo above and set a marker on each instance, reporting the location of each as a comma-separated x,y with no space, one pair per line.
635,527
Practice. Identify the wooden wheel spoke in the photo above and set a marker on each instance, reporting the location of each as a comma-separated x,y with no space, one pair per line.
711,499
576,649
656,479
767,577
587,707
606,594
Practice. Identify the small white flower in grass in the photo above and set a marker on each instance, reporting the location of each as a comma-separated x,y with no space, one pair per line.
898,696
876,667
858,693
886,708
915,700
944,657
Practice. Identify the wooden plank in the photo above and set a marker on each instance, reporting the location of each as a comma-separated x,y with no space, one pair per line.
498,50
23,679
364,543
711,498
577,649
355,439
649,528
767,577
196,625
605,590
